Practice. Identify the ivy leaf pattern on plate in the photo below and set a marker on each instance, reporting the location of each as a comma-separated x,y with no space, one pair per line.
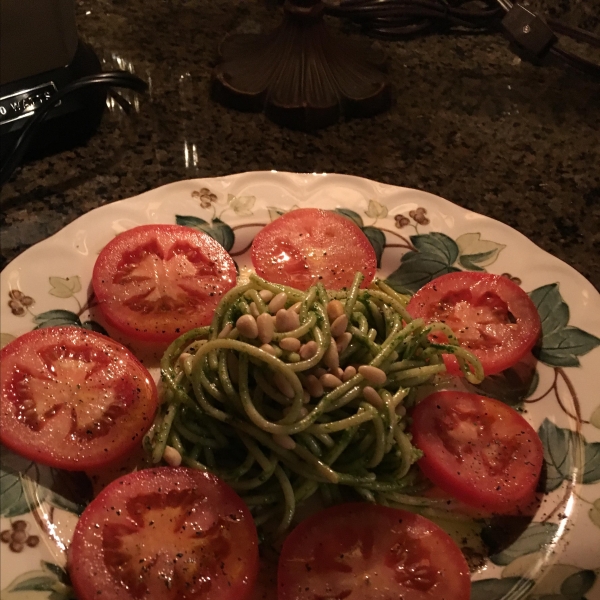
434,255
376,210
64,287
536,537
16,474
562,344
475,253
52,578
217,229
6,338
562,447
53,318
241,205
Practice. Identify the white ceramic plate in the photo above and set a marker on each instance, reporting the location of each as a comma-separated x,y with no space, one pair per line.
558,554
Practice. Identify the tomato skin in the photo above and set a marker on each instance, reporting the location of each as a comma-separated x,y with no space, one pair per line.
308,245
155,282
478,450
73,399
491,316
361,551
165,534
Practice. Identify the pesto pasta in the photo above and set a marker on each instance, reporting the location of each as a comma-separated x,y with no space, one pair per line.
290,393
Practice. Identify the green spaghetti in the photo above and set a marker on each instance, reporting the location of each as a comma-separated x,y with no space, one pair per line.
290,393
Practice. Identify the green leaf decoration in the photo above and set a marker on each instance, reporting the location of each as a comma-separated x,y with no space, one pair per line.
579,583
217,229
561,344
553,310
15,474
377,239
436,244
534,538
94,326
64,287
241,205
54,318
561,348
416,270
350,214
595,417
594,513
498,589
560,446
435,255
57,571
6,338
561,449
475,253
376,210
35,583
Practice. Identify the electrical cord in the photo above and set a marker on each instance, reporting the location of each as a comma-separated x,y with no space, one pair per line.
119,79
533,38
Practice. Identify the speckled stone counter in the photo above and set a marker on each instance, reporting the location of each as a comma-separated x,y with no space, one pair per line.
470,122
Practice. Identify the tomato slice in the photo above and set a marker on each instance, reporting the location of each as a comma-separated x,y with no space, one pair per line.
490,315
165,534
310,245
362,551
478,450
155,282
73,399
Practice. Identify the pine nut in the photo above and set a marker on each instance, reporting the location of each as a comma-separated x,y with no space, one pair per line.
254,310
319,371
349,373
285,441
278,302
305,397
339,326
335,309
342,341
283,385
314,387
330,381
308,350
331,357
183,357
400,410
270,349
296,307
339,372
290,343
373,375
171,456
266,295
266,328
247,326
286,320
225,331
372,397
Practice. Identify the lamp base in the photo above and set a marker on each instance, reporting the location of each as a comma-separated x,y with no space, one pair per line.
301,75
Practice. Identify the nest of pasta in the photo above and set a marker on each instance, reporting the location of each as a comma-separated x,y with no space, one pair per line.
290,393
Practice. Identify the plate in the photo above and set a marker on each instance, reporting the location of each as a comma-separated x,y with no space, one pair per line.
416,237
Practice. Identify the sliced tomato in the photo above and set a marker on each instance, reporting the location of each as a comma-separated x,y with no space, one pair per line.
165,534
310,245
155,282
73,399
478,450
363,551
490,315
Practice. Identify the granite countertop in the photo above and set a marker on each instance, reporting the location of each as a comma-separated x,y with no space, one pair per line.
470,122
